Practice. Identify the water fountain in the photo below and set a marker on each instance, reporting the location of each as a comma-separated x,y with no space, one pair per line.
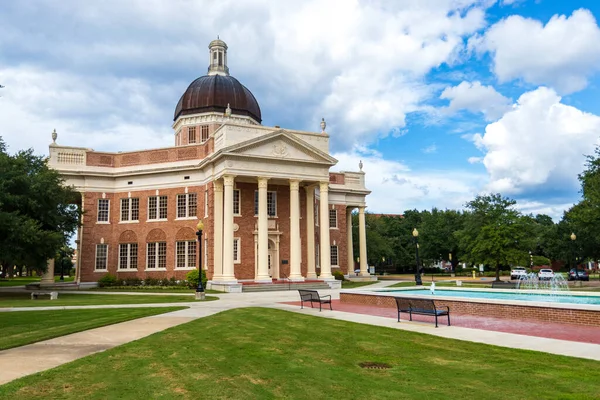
550,287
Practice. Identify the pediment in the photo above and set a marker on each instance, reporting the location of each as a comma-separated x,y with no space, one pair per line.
280,145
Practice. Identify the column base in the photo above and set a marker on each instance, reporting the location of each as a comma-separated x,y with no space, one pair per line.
200,295
268,279
296,279
327,278
311,276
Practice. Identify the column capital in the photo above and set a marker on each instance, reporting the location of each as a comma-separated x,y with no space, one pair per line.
263,182
324,186
294,184
218,185
228,180
361,210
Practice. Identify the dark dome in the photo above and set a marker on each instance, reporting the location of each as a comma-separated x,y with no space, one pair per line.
213,93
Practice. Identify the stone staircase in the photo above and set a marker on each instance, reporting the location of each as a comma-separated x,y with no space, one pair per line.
274,287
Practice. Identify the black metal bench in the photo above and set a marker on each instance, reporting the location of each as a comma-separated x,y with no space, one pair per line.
313,297
421,306
503,285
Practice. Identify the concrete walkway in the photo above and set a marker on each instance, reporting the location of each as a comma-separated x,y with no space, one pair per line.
29,359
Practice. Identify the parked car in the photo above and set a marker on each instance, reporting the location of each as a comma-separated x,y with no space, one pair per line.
518,272
545,274
578,275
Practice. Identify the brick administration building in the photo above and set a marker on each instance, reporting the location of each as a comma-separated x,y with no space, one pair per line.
270,206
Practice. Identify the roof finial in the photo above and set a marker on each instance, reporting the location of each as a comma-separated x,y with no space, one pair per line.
228,111
360,165
323,125
54,136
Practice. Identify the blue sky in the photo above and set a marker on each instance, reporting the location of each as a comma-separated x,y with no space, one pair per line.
441,99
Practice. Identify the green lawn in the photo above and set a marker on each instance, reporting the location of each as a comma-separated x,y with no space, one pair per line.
8,299
24,327
352,285
152,289
257,353
24,280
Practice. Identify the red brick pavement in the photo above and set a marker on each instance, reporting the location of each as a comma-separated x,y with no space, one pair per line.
576,333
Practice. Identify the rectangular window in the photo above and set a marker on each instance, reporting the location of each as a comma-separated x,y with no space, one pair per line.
236,250
192,134
101,256
317,214
204,133
156,255
333,219
236,202
205,203
128,255
157,207
186,254
318,257
187,205
334,255
271,203
130,209
103,206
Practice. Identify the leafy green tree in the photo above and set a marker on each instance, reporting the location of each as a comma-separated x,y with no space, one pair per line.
37,215
436,235
63,262
495,233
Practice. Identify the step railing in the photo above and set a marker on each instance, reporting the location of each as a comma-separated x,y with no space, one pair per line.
288,279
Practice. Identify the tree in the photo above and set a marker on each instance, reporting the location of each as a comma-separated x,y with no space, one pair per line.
37,215
436,235
495,233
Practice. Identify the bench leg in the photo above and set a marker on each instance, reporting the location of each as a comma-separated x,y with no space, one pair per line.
448,319
330,306
301,304
436,325
320,309
398,315
410,314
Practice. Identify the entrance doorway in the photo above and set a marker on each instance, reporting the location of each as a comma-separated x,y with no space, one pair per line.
272,260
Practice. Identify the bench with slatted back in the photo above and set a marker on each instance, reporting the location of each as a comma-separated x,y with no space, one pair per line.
421,306
313,297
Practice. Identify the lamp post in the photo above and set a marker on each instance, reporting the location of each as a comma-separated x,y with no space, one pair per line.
530,260
200,295
62,267
573,238
415,234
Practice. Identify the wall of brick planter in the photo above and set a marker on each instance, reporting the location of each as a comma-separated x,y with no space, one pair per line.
470,307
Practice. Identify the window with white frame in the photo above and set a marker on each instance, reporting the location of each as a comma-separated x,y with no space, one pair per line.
236,202
130,209
185,254
128,255
333,218
204,133
101,256
317,255
103,207
236,250
206,203
271,203
157,207
317,214
187,205
156,256
334,255
192,134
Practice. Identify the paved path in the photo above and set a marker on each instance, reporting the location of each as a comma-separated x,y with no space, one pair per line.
25,360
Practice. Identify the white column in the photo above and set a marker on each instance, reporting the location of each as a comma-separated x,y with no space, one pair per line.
228,274
263,233
310,233
324,222
362,239
295,271
218,231
350,256
48,277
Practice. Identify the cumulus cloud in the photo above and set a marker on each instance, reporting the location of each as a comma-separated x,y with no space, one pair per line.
563,54
539,145
396,187
361,65
475,97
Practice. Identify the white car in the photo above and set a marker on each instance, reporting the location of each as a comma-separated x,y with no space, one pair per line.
518,272
545,274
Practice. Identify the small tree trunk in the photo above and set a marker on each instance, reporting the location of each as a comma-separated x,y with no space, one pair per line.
497,271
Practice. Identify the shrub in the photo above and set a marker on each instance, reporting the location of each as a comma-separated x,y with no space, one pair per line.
192,278
338,275
107,280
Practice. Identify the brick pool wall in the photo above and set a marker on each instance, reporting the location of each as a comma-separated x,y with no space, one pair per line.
542,314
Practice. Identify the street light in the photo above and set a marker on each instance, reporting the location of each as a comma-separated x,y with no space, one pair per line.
200,295
530,260
573,238
415,234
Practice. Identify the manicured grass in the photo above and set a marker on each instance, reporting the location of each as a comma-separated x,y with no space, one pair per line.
24,280
151,289
25,327
8,299
352,285
263,354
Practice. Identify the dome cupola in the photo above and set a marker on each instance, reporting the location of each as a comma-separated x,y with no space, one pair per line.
217,91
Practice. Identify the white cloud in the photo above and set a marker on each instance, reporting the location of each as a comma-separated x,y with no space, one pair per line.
396,188
540,145
430,149
563,54
475,97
